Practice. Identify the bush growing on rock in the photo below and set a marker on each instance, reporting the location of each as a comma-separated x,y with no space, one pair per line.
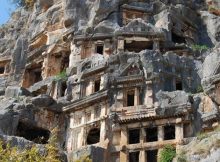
13,154
167,154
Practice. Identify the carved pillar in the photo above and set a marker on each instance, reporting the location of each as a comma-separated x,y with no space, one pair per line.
137,97
102,82
82,136
69,140
121,44
123,143
90,88
156,45
103,131
93,114
149,94
75,55
142,156
160,133
142,140
179,132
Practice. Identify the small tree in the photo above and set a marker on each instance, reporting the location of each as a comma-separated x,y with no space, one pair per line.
167,154
13,154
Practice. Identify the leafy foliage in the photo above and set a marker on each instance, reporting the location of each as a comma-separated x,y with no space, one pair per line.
84,158
211,7
202,135
181,157
61,76
167,154
200,48
199,89
13,154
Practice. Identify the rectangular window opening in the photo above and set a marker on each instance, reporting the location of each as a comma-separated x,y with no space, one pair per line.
168,84
2,70
169,132
179,85
134,136
151,155
65,63
97,85
134,156
178,39
100,49
130,98
37,75
151,134
63,89
138,46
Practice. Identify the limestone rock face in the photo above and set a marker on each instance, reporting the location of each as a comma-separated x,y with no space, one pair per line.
108,72
212,23
91,14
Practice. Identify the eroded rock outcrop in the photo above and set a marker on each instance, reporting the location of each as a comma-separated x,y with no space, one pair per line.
108,72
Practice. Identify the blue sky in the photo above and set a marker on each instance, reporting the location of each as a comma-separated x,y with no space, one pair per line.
5,10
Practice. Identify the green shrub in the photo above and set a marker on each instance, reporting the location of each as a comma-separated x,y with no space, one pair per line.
200,48
13,154
211,7
199,89
167,154
84,158
202,136
61,76
181,158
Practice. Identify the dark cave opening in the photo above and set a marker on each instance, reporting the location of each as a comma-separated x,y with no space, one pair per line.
35,134
93,136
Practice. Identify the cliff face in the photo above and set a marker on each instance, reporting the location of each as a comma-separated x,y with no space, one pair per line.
97,69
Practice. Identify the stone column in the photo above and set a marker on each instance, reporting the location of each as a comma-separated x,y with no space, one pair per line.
148,94
160,133
102,131
136,97
123,144
156,45
142,136
75,55
89,88
69,140
107,48
179,132
102,82
121,44
81,140
103,126
93,114
142,140
142,156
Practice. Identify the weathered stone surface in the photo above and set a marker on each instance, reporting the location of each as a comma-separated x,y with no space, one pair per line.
91,64
14,92
172,102
42,101
97,154
213,25
201,150
8,117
